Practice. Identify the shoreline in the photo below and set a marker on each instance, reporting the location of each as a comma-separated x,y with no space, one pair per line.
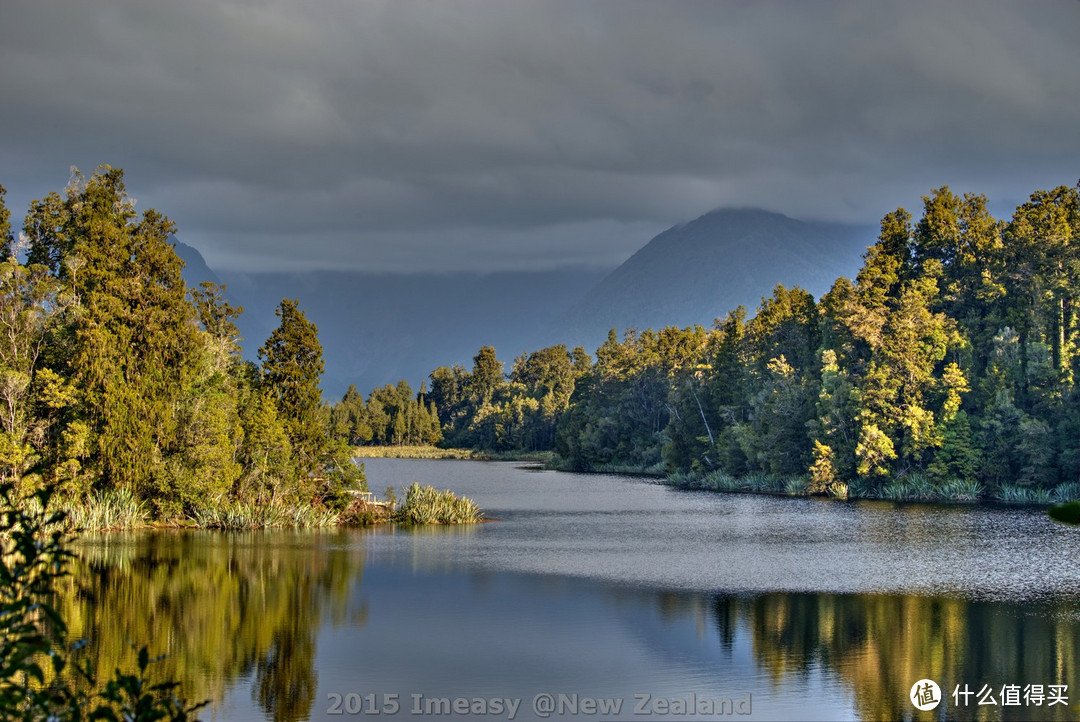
421,505
436,453
913,489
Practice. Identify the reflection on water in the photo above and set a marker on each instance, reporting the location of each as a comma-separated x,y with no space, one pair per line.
879,645
269,624
221,606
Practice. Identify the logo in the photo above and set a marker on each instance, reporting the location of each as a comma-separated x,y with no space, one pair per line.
925,694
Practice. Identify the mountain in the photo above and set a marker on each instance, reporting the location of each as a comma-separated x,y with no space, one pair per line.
195,269
698,271
377,328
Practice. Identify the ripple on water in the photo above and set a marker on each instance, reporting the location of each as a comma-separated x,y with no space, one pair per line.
626,530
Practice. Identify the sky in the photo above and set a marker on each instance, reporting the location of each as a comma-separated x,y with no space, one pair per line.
410,136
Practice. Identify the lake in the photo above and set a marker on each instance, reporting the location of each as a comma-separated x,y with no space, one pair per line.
603,597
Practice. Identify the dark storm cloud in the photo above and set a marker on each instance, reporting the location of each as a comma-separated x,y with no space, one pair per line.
425,135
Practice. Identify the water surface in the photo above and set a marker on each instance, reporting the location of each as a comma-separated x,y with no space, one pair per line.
607,588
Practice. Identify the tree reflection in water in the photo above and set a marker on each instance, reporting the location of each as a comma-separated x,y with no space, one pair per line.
879,645
220,606
233,609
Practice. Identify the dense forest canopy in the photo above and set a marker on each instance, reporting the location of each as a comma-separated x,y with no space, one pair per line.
949,363
115,375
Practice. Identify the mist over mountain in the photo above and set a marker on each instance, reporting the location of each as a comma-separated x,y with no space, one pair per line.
377,328
696,272
196,269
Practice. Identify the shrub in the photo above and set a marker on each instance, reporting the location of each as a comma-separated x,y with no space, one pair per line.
33,658
427,505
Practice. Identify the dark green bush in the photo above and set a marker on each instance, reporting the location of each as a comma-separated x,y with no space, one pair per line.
40,675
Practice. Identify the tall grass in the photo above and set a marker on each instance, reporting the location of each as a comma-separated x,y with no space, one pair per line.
427,505
1069,491
656,469
960,490
755,483
240,515
414,452
548,458
795,486
912,487
919,487
859,489
107,511
1010,494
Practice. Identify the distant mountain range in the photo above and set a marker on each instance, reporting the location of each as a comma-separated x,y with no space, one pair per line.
698,271
378,328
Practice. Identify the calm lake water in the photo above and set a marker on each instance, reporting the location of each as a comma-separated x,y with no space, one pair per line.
620,598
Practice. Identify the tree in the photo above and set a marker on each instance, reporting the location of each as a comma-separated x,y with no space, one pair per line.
487,375
133,341
7,241
32,309
292,365
269,468
1044,243
218,318
349,421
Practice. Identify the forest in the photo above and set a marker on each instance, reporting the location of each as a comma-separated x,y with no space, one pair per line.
946,369
119,385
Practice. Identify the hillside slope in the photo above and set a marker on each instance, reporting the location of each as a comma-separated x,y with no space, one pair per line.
698,271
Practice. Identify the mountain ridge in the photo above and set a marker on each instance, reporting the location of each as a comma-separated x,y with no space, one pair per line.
377,328
697,271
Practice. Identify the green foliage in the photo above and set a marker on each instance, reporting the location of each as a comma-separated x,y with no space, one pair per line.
486,376
7,240
1069,513
393,416
33,310
415,452
1012,494
946,371
292,365
119,382
427,505
107,511
135,342
242,515
36,667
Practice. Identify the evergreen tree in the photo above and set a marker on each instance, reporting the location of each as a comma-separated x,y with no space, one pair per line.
270,472
7,240
292,365
134,341
486,377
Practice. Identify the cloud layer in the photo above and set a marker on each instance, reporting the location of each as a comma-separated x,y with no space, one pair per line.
401,135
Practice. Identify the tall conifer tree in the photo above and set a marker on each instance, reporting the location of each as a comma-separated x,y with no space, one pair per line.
292,364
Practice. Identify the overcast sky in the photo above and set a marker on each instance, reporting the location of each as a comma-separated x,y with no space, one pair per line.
406,135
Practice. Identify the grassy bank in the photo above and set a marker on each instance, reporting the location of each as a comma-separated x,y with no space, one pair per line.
415,452
427,505
120,510
749,484
548,458
654,470
913,487
434,452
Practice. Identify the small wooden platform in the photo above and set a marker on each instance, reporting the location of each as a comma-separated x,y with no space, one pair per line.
368,498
